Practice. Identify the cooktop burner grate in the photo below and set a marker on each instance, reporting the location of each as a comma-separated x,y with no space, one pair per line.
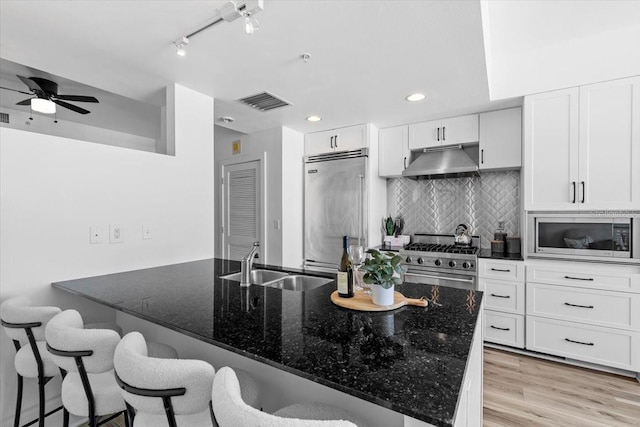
439,247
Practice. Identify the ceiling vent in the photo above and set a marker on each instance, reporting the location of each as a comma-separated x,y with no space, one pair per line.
4,118
264,101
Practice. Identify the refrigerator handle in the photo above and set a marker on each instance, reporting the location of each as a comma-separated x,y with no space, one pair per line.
360,209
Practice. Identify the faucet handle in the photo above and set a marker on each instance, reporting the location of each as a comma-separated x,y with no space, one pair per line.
256,244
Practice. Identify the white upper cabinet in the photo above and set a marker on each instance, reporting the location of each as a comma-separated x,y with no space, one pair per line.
454,130
609,166
342,139
393,151
501,139
582,147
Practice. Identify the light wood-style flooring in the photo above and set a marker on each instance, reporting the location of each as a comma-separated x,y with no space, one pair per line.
526,391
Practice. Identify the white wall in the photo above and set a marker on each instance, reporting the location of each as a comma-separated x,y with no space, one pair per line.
283,172
53,189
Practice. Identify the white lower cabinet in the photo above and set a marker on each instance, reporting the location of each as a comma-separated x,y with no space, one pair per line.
605,346
504,328
584,311
502,282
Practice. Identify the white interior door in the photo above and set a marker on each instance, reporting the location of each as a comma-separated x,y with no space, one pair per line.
241,208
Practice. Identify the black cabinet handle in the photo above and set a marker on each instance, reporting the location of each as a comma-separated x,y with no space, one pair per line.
577,305
578,342
332,142
500,296
482,156
336,141
589,279
501,329
438,134
582,183
498,269
573,184
443,137
404,162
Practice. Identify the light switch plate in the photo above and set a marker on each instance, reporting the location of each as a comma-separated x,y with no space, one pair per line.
116,233
95,234
146,232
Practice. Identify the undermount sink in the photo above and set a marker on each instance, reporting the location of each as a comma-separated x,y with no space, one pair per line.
298,283
258,276
281,280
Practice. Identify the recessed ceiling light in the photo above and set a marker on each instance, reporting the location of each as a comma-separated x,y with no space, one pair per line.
314,118
226,119
415,97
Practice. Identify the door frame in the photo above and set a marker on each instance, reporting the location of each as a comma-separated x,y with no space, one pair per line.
245,158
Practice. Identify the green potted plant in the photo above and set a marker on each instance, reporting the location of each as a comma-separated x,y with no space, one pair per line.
383,272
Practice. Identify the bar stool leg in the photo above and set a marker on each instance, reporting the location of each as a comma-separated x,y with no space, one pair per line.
41,401
16,419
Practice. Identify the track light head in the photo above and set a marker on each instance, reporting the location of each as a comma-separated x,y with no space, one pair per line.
180,45
251,24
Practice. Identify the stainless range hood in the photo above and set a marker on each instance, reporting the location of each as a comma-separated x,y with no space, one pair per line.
455,161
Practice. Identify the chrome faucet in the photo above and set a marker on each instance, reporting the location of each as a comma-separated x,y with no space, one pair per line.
247,265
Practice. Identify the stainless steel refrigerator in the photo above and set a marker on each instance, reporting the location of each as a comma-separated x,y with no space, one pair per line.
335,200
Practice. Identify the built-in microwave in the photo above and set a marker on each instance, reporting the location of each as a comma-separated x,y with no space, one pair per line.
597,236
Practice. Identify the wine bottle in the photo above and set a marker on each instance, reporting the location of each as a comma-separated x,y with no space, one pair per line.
345,272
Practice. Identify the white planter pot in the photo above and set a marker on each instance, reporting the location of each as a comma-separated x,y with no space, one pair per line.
382,296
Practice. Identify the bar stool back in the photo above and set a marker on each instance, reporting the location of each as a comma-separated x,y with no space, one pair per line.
24,324
173,392
89,389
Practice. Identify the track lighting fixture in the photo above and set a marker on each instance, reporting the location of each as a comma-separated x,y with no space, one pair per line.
180,46
229,12
251,24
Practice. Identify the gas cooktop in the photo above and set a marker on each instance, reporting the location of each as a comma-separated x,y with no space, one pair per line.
440,247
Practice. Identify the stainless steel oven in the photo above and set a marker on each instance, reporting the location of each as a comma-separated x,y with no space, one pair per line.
597,236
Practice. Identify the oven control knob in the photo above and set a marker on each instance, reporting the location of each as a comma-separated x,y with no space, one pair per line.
420,261
452,263
408,260
466,264
438,263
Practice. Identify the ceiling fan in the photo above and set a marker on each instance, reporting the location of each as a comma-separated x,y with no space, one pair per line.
47,90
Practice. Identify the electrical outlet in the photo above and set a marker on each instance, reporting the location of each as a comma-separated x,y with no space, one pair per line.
116,234
146,232
95,234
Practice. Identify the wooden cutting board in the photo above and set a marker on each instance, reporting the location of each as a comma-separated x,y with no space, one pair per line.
362,302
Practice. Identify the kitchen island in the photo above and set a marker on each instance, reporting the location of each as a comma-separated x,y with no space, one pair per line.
422,363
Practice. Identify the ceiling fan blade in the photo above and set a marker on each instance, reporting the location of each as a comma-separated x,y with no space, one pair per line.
71,107
77,98
31,84
15,90
25,102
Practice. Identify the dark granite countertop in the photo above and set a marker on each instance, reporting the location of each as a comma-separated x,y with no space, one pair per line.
411,360
486,253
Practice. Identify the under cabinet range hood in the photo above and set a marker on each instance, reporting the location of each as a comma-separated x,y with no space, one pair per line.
455,161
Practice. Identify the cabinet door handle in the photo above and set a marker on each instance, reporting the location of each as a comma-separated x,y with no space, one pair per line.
443,137
438,134
502,329
577,305
582,183
404,162
336,141
331,141
578,342
500,296
482,156
573,184
588,279
498,269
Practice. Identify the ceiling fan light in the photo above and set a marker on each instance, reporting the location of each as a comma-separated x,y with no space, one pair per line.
43,106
